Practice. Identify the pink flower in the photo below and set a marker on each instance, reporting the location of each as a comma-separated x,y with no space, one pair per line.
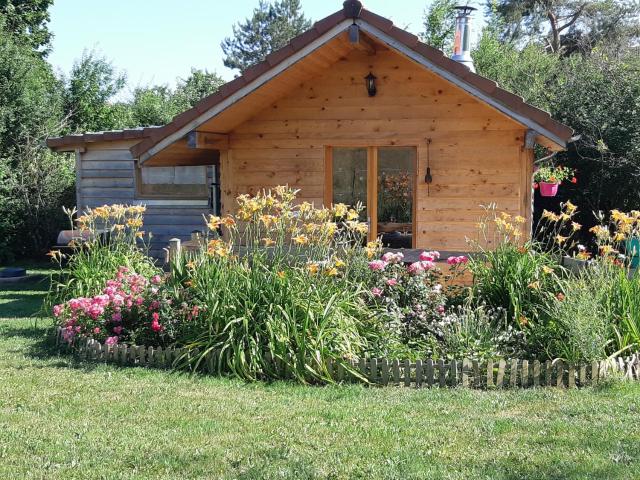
440,309
75,303
429,256
57,310
156,279
457,260
116,317
117,300
415,268
139,301
109,290
376,292
392,282
117,330
155,317
94,311
377,265
96,330
111,341
427,264
391,257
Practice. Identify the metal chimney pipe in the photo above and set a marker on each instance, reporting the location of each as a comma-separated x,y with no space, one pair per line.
462,40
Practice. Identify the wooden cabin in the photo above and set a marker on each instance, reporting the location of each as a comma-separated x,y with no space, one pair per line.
353,110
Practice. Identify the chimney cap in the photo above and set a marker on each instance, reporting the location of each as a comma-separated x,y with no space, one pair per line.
464,9
352,8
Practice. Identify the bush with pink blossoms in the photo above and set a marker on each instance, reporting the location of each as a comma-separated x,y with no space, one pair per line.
411,297
132,308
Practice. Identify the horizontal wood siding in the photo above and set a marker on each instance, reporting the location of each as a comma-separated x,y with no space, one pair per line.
475,152
107,177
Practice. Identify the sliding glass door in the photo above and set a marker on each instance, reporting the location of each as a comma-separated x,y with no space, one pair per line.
382,179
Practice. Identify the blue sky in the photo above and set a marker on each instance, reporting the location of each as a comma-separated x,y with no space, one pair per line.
156,41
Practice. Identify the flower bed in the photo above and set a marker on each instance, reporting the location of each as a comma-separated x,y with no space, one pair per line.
283,289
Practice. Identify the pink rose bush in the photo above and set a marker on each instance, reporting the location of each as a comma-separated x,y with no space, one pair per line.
412,296
131,308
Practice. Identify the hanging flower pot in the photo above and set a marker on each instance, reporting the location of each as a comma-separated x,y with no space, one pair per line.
549,178
549,189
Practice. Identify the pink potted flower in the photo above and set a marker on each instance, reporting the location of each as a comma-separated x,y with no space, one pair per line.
549,178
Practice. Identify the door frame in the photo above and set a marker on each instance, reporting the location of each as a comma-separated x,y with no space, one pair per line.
372,185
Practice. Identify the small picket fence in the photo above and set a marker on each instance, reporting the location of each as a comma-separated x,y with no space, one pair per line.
429,373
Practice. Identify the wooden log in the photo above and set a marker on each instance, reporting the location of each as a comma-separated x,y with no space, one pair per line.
466,365
373,374
536,373
571,379
395,371
477,381
489,373
559,374
442,381
501,368
142,356
429,372
384,367
548,372
582,375
453,373
525,374
158,358
407,373
513,373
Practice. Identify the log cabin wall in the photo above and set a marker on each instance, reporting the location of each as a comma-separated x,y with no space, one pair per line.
475,153
106,176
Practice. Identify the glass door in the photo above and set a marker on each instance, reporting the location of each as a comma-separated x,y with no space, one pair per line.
395,195
382,180
349,177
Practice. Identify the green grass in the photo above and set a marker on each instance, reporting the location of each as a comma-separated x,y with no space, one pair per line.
60,418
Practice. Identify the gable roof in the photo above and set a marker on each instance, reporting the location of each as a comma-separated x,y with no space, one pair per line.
156,139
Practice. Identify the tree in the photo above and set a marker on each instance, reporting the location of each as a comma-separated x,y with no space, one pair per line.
195,87
157,105
598,95
440,24
270,28
34,183
91,86
28,19
566,26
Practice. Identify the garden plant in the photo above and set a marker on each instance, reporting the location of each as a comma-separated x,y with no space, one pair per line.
283,290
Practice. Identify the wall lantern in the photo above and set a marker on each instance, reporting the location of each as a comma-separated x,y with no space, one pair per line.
371,84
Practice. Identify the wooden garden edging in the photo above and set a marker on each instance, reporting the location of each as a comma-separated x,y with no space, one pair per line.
511,373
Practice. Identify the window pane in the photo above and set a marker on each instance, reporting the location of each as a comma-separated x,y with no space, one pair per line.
350,176
174,181
396,179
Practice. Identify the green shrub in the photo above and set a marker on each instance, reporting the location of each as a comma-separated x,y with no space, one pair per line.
510,274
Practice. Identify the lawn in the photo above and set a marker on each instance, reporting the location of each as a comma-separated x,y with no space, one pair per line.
60,418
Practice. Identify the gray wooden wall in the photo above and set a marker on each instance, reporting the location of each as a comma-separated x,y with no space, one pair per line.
106,176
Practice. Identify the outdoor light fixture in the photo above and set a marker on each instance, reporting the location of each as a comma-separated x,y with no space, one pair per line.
371,84
354,33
